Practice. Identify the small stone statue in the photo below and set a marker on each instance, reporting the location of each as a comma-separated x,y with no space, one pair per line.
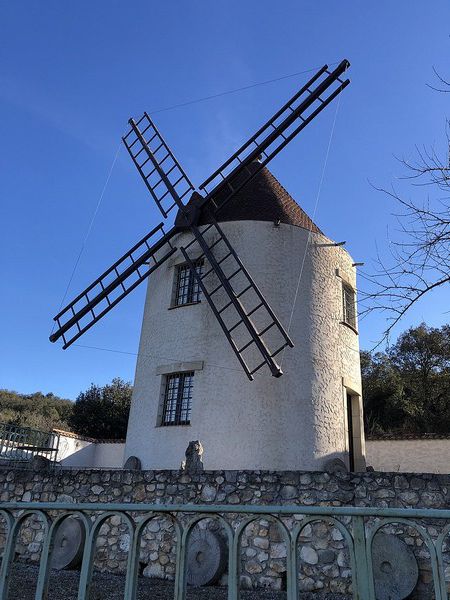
193,462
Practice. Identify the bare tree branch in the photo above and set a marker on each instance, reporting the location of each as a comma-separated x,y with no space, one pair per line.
446,84
419,259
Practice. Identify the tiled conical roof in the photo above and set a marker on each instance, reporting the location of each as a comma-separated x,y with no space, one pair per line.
264,199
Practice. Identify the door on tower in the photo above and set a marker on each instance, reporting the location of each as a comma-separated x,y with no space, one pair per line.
350,434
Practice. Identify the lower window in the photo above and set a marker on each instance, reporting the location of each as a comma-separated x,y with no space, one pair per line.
178,399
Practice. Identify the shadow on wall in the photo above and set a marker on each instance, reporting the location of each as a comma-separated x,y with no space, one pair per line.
88,453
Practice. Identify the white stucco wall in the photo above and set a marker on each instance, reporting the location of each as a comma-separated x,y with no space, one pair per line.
109,455
409,456
90,454
75,452
296,421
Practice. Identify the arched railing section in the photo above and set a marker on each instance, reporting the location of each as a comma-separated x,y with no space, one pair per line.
358,526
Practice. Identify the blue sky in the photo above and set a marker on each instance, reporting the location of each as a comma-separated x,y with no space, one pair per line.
71,74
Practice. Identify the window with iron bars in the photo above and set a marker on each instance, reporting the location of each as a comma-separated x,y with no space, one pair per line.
178,399
187,289
349,305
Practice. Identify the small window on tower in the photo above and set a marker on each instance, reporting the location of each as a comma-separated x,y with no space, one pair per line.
177,399
349,305
187,289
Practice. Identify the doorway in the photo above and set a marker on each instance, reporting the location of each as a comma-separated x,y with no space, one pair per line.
350,440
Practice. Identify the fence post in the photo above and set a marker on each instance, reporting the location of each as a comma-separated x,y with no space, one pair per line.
362,589
292,568
8,556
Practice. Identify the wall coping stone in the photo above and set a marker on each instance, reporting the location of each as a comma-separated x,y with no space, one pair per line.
84,438
406,436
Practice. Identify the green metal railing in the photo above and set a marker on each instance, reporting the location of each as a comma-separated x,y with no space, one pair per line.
358,532
19,445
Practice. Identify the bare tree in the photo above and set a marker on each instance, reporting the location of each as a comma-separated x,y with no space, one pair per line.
420,259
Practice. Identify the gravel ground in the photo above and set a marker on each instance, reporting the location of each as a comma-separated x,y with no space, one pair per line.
105,586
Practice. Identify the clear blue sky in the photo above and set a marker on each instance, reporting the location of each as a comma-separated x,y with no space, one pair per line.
72,73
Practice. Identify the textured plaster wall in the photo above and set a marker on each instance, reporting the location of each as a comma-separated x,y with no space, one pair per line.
108,455
413,456
297,421
75,452
81,452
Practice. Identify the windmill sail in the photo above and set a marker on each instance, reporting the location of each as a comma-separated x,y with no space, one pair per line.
272,137
111,287
250,325
245,316
163,175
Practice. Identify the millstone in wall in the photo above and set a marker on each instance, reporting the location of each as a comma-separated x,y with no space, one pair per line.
68,545
206,558
395,568
133,463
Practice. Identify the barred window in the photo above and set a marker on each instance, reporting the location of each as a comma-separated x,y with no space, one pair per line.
187,289
349,305
178,399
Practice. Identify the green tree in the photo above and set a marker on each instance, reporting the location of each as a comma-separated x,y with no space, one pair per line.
408,388
422,357
384,408
102,412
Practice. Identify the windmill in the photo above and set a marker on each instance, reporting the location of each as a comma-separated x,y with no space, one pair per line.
251,327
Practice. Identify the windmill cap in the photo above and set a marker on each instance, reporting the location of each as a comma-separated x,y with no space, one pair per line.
263,198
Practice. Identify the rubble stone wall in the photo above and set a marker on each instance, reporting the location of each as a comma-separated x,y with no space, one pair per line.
323,558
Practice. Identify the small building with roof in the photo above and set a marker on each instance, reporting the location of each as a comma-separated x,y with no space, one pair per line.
189,384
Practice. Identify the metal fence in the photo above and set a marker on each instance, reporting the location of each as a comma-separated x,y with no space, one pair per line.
357,525
19,445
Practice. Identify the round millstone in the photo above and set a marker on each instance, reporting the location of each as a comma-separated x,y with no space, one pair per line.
206,558
335,465
395,567
133,463
40,463
68,545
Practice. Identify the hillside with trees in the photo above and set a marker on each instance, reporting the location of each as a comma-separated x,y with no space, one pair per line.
100,412
38,410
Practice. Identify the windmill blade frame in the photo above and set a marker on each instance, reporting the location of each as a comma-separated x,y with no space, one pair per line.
244,302
102,293
272,137
159,167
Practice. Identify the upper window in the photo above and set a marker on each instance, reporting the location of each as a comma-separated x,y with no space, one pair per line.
178,399
349,305
187,289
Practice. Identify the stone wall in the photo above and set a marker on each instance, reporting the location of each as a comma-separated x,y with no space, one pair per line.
324,562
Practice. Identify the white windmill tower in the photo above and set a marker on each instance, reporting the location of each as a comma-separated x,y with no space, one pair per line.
202,302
